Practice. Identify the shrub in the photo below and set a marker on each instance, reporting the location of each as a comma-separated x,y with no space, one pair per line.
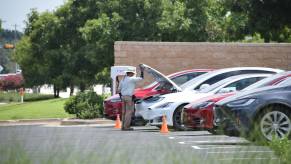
85,105
282,149
11,81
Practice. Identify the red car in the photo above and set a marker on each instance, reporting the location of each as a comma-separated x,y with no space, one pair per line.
113,105
199,114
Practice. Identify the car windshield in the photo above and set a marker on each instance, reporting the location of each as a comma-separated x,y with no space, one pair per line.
179,79
267,81
150,85
218,84
195,80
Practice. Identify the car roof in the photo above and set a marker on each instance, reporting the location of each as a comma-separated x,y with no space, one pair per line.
244,93
272,80
188,71
200,79
285,82
232,79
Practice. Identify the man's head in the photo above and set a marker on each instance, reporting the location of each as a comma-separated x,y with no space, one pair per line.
130,74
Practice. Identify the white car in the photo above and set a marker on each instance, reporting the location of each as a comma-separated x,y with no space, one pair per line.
153,108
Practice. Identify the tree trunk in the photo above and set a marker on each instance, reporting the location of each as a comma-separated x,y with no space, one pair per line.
58,92
267,38
82,87
103,89
55,92
71,90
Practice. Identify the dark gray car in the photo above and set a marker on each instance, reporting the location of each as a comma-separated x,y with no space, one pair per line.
262,113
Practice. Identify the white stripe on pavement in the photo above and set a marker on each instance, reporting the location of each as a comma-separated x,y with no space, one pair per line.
196,147
232,152
218,142
221,147
227,159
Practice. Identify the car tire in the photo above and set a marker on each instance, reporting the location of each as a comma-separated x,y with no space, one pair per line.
273,121
214,131
177,124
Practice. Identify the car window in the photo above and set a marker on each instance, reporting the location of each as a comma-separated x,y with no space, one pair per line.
287,81
150,85
256,71
229,74
179,80
272,80
218,78
243,83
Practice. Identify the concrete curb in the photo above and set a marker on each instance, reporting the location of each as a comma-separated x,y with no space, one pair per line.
85,122
59,121
31,120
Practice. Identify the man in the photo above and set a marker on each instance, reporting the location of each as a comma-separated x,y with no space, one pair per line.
126,91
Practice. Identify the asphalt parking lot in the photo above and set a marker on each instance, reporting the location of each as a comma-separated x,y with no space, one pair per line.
104,144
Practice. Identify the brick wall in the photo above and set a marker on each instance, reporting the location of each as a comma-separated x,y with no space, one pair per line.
169,57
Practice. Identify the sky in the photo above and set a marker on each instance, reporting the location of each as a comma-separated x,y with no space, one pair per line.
15,11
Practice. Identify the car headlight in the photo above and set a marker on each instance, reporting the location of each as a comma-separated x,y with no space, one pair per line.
154,99
202,105
115,100
165,105
242,102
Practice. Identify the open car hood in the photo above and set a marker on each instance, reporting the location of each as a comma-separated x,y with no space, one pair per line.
159,77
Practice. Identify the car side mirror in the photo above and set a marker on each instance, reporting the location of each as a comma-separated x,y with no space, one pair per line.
173,89
203,86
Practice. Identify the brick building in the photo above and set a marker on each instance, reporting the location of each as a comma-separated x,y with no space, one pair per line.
169,57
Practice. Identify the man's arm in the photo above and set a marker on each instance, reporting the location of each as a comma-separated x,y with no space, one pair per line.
136,79
141,71
119,90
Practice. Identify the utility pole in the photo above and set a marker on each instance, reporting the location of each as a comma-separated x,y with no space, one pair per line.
2,21
15,35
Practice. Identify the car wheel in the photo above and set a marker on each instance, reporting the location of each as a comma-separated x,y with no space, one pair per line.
274,122
212,131
177,120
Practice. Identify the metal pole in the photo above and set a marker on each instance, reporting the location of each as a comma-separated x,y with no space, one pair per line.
15,26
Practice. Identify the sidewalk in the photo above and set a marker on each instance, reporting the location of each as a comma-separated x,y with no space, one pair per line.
55,121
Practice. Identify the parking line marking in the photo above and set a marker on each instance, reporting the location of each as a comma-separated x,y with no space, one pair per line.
192,136
224,142
226,159
232,152
171,138
78,126
226,147
181,143
196,147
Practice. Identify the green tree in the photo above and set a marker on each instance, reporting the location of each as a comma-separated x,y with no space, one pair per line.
268,18
225,24
42,48
183,20
74,45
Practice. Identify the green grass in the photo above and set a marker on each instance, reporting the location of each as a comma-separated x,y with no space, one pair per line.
34,110
15,97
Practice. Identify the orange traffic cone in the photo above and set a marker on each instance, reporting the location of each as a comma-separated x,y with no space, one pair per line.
117,123
164,128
